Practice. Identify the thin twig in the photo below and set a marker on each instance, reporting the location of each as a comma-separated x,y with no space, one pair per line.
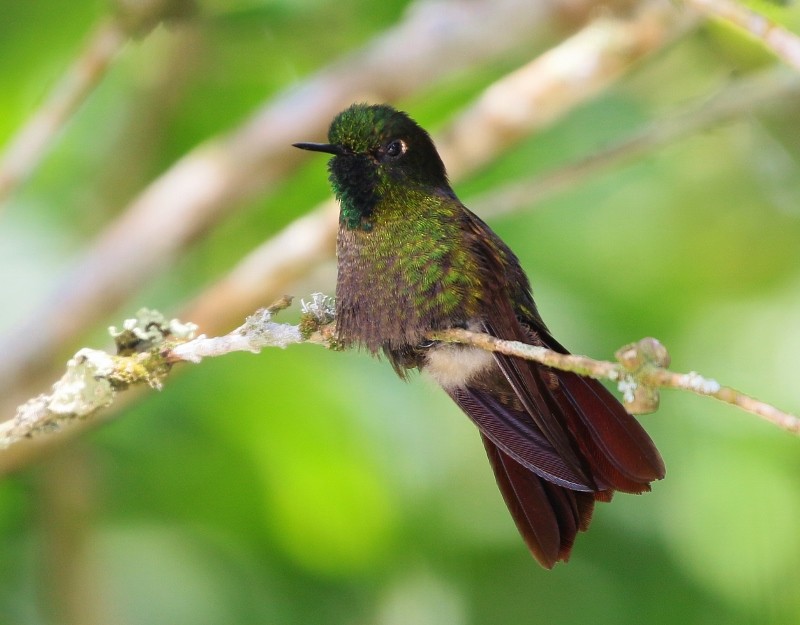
94,378
637,366
783,43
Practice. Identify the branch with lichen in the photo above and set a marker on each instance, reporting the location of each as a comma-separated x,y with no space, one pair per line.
94,377
259,331
149,345
146,348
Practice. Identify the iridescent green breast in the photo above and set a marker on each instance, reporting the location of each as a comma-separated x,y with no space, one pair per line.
409,273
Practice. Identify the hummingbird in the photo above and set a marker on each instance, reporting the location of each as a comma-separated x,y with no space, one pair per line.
412,259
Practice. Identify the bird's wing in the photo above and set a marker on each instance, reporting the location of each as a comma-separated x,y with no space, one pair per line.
513,432
557,442
591,432
610,445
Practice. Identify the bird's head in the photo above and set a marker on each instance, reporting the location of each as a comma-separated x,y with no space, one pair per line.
378,152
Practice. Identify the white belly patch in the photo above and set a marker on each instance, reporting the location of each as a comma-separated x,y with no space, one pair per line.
456,365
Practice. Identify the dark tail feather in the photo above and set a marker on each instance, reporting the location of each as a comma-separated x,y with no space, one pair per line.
546,498
548,516
620,453
615,444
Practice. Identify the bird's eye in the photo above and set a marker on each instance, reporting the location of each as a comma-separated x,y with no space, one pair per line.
396,148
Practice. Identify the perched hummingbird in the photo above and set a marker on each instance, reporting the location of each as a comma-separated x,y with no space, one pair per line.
413,259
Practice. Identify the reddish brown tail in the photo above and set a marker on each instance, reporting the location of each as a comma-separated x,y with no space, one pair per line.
551,497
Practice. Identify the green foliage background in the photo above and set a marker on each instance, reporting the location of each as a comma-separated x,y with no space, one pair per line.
302,486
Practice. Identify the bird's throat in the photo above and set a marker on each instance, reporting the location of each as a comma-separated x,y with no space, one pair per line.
355,184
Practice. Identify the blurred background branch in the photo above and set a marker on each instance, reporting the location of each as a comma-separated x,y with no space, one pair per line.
27,148
740,97
782,42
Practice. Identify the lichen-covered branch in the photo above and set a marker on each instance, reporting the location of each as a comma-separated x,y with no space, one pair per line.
94,377
91,382
149,345
259,331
